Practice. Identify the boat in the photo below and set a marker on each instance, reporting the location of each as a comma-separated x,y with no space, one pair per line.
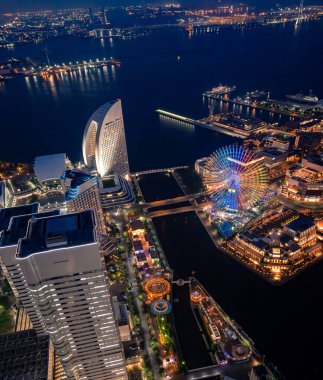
219,90
303,98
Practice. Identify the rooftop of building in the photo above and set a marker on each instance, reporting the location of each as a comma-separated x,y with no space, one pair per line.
7,213
141,257
24,355
137,225
279,138
70,230
305,174
272,153
50,167
314,159
74,179
137,245
255,239
77,177
18,227
301,224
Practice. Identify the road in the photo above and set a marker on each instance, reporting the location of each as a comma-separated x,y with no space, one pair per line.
165,202
172,211
153,171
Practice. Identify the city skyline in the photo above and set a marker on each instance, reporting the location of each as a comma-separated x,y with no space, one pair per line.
40,5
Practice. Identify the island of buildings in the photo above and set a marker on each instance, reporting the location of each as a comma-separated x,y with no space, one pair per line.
89,281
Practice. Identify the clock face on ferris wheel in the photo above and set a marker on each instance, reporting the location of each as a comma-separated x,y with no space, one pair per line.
235,177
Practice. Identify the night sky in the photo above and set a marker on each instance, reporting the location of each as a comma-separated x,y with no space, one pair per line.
16,5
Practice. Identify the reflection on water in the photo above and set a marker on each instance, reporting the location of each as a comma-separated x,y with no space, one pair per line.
2,87
168,122
65,83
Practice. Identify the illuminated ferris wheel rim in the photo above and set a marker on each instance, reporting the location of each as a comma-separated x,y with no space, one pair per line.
235,176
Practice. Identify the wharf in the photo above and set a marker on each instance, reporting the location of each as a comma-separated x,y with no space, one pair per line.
241,102
214,126
46,71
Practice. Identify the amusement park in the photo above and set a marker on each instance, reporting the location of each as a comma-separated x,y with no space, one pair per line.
236,181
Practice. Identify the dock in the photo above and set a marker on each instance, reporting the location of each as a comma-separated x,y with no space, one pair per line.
215,126
49,70
240,102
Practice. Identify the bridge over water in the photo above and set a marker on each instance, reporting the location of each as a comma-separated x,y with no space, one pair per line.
152,171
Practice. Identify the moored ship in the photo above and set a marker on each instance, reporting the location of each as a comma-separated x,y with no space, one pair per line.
304,98
219,91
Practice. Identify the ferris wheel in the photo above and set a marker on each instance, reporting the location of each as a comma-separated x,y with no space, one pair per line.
235,177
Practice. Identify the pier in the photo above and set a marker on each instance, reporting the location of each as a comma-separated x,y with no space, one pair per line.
215,126
258,106
46,71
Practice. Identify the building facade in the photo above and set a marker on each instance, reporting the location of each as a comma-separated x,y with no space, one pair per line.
82,193
60,259
104,141
9,238
304,182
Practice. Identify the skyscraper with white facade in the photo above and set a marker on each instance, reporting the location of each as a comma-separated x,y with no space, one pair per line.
61,262
13,226
104,141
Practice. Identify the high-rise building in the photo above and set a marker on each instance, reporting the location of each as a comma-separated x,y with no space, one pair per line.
26,355
82,193
14,226
61,262
104,141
